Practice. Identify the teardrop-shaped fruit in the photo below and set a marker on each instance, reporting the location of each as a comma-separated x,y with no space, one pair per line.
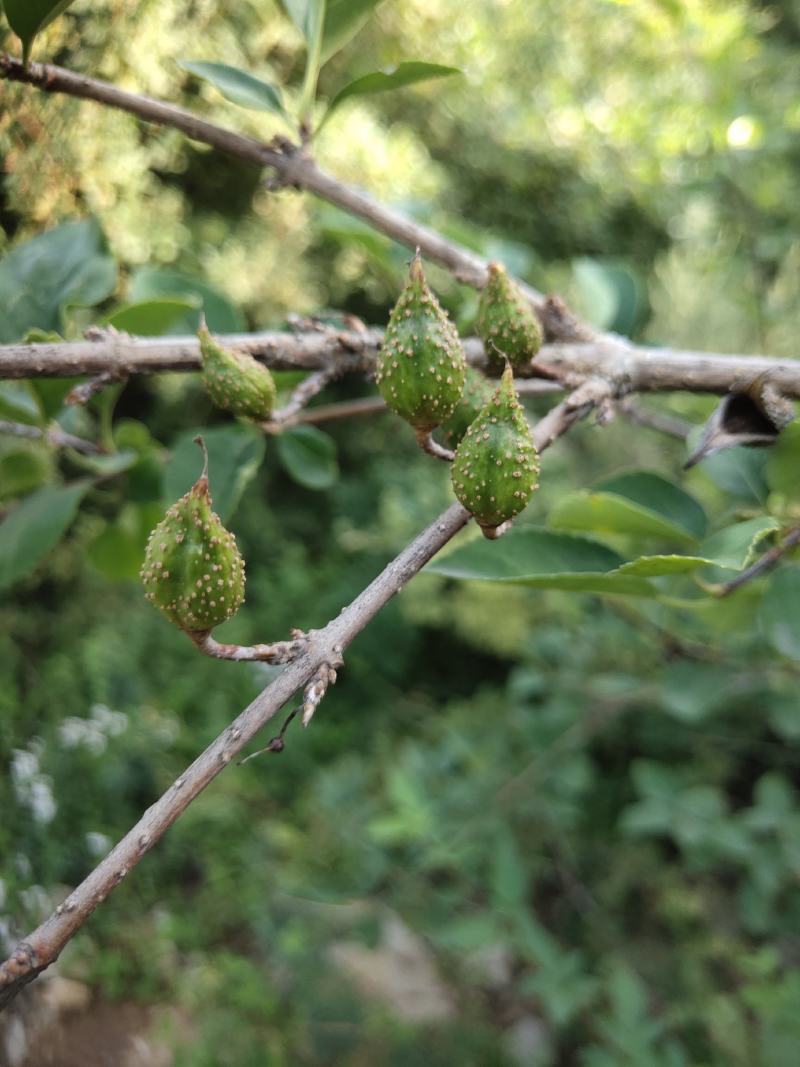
496,465
420,369
234,380
192,568
477,393
506,323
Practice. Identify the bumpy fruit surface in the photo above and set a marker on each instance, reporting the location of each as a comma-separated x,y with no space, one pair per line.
420,370
192,569
477,393
235,381
506,322
496,465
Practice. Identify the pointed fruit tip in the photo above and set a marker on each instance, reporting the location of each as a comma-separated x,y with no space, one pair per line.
415,271
204,473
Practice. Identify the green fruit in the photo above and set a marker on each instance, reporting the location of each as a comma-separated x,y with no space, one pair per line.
192,568
496,465
420,370
477,393
235,381
506,322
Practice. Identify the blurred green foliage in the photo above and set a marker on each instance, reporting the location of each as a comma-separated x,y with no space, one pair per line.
582,805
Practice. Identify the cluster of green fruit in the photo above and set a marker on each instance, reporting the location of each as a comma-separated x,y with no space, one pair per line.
423,376
193,570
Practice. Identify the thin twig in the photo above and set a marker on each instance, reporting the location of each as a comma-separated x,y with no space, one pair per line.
279,652
82,393
571,410
347,409
307,390
56,438
276,743
314,669
765,563
433,448
661,421
375,405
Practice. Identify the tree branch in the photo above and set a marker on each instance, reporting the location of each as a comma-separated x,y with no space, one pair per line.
313,669
583,353
630,367
290,163
125,355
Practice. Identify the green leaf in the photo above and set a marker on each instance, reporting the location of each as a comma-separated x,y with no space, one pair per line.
112,464
612,295
314,25
381,81
34,527
152,318
309,456
66,266
234,456
730,549
739,471
144,483
779,614
658,566
35,336
693,690
607,513
305,14
29,17
735,546
783,462
238,86
118,551
598,295
509,883
222,316
50,394
640,504
18,403
343,20
23,469
658,494
470,932
543,559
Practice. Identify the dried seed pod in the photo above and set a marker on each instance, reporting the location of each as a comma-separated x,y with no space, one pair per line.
496,465
235,381
506,323
192,569
477,393
421,366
